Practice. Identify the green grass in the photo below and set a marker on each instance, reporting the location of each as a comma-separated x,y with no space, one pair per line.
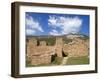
57,60
78,60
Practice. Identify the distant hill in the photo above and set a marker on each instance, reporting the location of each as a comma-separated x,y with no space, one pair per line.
66,35
50,39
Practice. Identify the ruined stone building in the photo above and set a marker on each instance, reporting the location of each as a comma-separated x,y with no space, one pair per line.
42,53
39,54
76,48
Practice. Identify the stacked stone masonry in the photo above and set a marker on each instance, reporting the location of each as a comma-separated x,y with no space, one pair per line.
42,53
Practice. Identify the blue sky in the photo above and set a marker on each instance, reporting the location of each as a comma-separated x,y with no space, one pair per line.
56,24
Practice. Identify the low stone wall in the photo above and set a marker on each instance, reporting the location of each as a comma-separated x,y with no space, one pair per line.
42,59
40,54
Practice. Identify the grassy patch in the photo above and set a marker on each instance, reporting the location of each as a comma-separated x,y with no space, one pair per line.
57,61
78,60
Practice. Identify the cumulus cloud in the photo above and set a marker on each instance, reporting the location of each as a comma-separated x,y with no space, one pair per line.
32,26
54,32
30,31
65,24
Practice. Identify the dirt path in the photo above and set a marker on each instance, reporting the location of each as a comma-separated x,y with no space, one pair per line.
64,60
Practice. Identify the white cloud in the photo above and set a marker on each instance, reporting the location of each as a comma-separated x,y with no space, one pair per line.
52,20
54,32
32,25
65,24
30,32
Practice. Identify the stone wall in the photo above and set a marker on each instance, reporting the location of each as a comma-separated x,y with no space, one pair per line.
41,59
41,54
32,42
42,43
76,49
59,46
